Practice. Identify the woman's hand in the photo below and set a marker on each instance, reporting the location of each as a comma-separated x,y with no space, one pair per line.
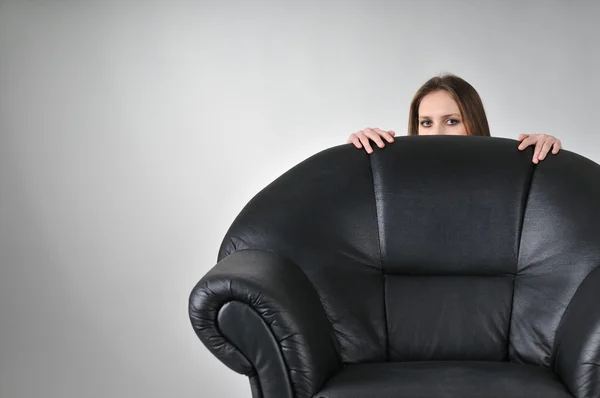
361,138
543,143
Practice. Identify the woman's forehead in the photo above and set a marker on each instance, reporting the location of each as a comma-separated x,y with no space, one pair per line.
437,104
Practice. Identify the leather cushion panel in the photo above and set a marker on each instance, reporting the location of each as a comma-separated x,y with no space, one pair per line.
444,380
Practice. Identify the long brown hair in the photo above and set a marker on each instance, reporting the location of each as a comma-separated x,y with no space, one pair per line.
468,100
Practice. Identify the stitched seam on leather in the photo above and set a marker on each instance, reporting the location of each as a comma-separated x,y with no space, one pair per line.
525,201
268,327
379,240
560,323
424,275
226,339
591,363
259,386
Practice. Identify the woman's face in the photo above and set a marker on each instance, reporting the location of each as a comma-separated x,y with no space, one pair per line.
439,115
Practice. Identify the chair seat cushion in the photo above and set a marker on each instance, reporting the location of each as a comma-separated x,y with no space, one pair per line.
444,379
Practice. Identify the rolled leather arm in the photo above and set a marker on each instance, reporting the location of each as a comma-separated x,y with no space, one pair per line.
261,316
577,342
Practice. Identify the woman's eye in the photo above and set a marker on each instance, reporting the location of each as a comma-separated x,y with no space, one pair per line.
426,123
452,122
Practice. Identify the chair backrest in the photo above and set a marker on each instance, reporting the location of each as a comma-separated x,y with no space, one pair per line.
435,247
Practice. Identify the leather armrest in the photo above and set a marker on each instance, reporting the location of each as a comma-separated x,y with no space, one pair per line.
261,316
577,342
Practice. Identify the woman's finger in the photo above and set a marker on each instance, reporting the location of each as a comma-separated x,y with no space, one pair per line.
353,139
385,134
365,141
537,150
556,147
530,140
546,146
372,134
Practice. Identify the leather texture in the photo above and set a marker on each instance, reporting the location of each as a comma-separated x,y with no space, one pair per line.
473,312
560,246
260,345
577,344
444,379
321,215
439,266
293,317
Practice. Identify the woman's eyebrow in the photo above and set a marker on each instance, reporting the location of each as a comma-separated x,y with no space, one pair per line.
441,117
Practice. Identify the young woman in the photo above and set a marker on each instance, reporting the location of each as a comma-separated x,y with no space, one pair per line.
448,105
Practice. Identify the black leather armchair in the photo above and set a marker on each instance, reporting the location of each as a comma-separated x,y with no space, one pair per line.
440,266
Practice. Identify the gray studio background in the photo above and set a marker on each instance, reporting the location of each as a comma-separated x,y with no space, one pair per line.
132,133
